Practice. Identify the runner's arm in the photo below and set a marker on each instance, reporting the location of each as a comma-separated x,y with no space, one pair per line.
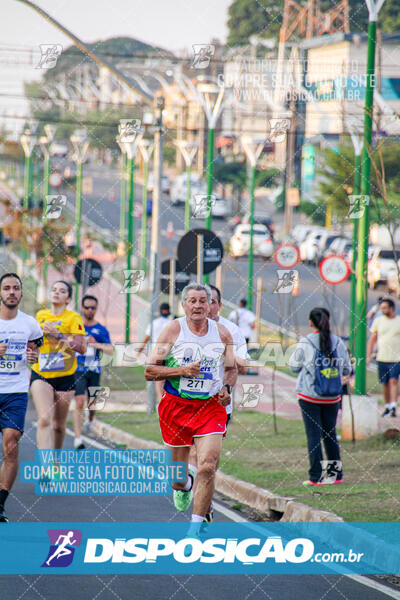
155,371
77,343
143,344
230,367
106,348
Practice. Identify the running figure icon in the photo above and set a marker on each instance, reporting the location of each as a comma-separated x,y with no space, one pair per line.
62,550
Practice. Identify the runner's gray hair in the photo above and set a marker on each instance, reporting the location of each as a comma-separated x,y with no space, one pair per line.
197,287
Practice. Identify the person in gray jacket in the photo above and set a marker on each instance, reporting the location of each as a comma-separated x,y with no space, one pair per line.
323,363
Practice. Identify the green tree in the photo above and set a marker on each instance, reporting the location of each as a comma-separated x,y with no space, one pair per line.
337,179
251,17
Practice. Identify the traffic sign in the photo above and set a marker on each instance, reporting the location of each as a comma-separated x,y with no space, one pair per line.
287,256
334,269
55,179
88,269
187,251
181,278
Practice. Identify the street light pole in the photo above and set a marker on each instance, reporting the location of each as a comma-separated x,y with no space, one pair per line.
130,139
363,228
357,143
188,151
253,149
155,232
146,148
45,142
28,142
81,146
122,209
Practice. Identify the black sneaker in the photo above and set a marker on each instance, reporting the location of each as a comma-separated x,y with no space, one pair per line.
386,412
3,518
81,446
393,412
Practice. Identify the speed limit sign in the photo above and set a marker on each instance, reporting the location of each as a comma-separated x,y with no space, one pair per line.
334,269
286,256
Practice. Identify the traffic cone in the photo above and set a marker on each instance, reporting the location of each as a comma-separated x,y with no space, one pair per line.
170,229
296,287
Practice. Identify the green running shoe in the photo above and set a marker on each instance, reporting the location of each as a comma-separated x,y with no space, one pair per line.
183,499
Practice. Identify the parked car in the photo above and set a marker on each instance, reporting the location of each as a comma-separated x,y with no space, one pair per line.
198,203
308,248
324,244
381,262
340,246
179,187
261,220
239,244
393,282
300,232
165,183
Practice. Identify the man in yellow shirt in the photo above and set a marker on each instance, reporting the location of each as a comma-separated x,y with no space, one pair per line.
386,332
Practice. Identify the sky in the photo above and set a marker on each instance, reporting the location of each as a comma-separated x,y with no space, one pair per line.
170,24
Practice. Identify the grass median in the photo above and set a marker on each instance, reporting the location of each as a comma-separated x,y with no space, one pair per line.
279,463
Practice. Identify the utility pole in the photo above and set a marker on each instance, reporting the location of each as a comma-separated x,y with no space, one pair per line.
363,228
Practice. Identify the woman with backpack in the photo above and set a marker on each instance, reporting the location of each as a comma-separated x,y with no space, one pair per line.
321,360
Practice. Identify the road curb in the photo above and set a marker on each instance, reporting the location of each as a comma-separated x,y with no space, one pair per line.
280,507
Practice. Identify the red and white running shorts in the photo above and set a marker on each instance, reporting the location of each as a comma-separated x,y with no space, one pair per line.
182,419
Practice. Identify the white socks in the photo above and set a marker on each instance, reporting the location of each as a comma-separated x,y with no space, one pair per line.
197,519
77,442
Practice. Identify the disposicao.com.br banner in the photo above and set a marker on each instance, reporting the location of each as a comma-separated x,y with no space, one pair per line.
223,548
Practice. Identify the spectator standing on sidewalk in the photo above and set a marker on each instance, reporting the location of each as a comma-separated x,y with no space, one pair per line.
244,318
321,360
386,332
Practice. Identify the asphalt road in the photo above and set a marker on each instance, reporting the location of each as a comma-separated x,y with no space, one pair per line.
23,506
102,207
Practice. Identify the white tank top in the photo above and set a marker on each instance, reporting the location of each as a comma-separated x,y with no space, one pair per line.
189,348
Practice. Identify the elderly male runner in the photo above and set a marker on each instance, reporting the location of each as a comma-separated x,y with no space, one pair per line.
194,354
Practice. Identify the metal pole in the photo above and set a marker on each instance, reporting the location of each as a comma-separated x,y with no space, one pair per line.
188,194
129,247
172,285
218,278
26,207
251,249
363,228
258,306
78,218
44,218
357,177
200,257
144,215
210,168
122,214
155,233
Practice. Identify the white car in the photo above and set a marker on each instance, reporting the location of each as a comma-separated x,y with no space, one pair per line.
165,183
381,263
239,244
179,188
198,203
309,247
300,232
